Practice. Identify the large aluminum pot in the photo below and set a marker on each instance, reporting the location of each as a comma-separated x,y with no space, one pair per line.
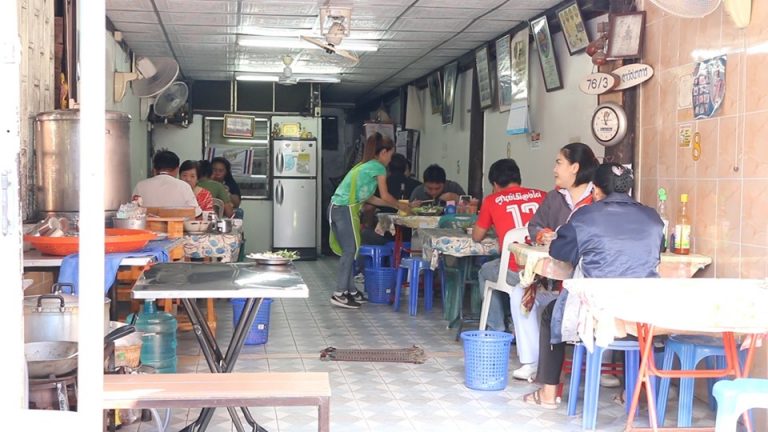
57,148
54,317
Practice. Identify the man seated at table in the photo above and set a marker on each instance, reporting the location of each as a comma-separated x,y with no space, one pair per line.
164,189
510,206
436,187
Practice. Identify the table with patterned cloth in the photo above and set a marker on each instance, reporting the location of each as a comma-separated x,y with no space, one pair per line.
651,306
536,261
437,241
224,246
388,222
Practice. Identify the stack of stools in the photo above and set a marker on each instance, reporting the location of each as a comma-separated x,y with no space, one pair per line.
411,267
690,349
592,380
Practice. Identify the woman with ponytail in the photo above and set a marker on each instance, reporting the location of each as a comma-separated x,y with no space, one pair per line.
616,237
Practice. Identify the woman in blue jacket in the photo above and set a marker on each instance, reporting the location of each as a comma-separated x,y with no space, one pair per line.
613,238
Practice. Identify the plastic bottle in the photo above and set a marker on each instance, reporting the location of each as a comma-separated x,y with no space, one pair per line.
682,244
158,347
662,210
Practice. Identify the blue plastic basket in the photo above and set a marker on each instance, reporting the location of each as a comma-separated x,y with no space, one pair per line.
379,284
486,359
259,332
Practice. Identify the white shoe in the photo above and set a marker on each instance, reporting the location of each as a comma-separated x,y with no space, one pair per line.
526,372
609,381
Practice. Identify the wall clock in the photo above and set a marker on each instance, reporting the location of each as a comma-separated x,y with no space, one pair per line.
609,124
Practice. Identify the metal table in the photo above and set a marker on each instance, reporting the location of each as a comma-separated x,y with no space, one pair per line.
191,281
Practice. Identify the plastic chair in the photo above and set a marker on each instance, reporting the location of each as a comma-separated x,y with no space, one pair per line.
735,397
516,235
375,254
412,266
405,249
592,380
690,349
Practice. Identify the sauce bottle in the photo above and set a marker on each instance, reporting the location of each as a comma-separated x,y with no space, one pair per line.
682,244
662,210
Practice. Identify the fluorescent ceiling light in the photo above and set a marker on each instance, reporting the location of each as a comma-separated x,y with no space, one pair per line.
286,42
257,77
296,33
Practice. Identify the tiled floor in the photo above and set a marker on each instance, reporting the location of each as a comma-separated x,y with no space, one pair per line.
382,396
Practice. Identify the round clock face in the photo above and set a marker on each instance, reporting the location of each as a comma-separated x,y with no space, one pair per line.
609,124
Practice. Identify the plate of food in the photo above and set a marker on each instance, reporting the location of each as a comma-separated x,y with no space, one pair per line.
429,210
281,257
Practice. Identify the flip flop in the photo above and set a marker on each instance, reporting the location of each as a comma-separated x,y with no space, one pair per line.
618,399
535,400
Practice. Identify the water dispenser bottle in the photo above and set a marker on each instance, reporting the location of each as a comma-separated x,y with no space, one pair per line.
159,340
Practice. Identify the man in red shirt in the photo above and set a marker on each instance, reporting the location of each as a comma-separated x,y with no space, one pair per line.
510,206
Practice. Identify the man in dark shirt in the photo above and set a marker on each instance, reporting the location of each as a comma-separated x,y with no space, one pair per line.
436,187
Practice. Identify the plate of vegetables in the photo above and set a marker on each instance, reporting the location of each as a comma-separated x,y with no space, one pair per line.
429,210
281,257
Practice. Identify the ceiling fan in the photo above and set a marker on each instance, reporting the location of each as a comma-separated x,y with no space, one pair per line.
290,78
334,27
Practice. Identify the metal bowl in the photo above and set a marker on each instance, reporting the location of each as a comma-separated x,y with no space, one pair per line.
50,358
196,226
129,223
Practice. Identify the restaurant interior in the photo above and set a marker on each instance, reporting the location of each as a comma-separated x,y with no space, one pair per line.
284,99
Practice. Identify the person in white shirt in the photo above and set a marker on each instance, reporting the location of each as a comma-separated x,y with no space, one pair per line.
164,189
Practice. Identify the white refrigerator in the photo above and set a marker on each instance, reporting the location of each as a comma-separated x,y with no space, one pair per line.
294,222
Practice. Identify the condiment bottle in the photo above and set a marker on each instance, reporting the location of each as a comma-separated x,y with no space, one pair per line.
682,244
662,210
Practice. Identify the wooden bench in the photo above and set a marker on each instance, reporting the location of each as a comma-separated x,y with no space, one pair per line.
207,390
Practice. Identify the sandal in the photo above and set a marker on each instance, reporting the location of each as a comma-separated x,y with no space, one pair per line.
618,398
535,400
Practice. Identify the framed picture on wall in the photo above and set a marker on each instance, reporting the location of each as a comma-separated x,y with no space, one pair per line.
625,35
450,72
239,126
435,92
550,70
519,65
575,33
484,77
503,73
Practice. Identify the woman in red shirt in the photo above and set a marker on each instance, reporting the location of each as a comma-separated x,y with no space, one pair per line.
188,173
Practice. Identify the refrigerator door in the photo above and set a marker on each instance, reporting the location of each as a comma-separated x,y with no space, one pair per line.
295,158
294,213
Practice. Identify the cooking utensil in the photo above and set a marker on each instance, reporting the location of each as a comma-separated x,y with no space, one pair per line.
132,223
50,358
119,333
54,317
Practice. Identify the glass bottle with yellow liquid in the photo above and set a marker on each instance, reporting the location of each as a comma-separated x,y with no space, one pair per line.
682,244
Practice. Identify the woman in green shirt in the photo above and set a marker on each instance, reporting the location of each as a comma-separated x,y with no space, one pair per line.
358,187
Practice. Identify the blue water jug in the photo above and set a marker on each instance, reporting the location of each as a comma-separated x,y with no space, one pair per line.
158,347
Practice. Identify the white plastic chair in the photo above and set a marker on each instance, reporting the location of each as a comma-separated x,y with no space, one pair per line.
516,235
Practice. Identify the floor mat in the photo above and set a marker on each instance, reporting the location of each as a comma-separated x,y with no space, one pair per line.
401,355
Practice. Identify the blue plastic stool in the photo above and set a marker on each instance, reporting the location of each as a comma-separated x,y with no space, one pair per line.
735,397
690,349
592,380
406,246
375,254
412,266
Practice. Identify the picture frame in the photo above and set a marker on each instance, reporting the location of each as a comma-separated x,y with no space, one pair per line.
239,126
574,31
450,74
485,88
435,92
550,69
626,32
503,73
519,49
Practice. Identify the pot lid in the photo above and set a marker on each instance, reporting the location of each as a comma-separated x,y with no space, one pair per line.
53,302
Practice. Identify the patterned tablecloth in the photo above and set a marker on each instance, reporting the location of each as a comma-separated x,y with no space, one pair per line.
387,222
224,246
693,305
537,261
436,241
